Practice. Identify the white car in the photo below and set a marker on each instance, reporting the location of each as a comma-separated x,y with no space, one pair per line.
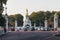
18,28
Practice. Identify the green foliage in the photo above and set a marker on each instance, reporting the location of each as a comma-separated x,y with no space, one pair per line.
40,16
34,17
37,17
3,1
11,18
17,17
2,20
48,14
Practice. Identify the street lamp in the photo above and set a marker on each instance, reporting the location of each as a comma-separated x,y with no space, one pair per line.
6,18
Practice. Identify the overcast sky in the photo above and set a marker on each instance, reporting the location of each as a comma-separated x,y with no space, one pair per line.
19,6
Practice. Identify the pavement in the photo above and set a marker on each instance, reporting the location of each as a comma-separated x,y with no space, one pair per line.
30,35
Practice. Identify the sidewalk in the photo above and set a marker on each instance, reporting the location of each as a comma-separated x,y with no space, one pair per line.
2,33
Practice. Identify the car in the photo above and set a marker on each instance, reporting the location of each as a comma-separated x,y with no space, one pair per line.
32,28
25,28
18,28
48,28
38,28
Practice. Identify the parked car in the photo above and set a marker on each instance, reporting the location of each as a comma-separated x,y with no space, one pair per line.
48,28
32,28
18,28
25,29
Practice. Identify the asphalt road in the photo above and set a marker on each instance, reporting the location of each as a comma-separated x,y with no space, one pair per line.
28,35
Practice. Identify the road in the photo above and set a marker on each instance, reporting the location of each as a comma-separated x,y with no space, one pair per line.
31,35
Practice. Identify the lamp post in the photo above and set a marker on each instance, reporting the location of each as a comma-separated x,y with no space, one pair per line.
15,25
6,18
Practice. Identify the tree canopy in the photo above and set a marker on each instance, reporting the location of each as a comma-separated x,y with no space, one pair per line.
40,16
3,1
2,19
17,17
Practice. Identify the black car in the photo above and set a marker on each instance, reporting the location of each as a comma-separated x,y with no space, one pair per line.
25,28
32,29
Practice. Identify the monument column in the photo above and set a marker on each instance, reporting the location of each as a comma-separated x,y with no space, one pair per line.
45,23
15,25
55,21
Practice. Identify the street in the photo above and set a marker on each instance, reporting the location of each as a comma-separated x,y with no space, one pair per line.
28,35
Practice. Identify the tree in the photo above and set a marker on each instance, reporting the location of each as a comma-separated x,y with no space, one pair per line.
17,17
52,16
41,17
11,20
48,15
58,18
3,1
34,17
2,19
1,5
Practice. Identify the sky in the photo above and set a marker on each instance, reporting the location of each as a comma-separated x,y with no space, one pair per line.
20,6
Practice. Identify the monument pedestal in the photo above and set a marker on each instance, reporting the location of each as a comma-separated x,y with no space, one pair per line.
27,21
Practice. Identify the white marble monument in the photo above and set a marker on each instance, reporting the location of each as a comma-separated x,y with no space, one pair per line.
27,22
